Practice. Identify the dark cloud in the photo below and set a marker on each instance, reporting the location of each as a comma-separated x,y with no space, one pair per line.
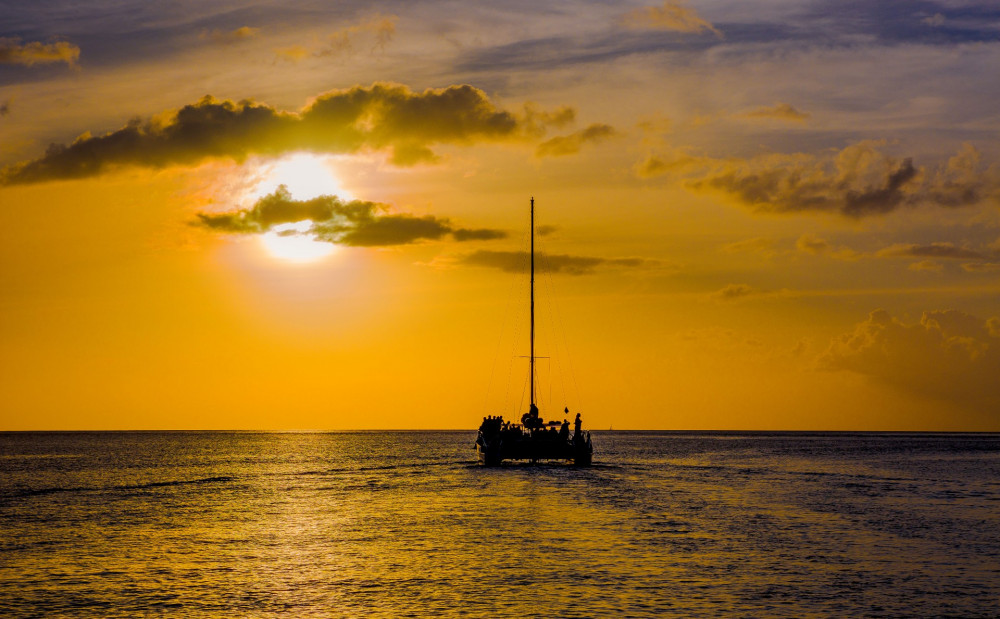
811,244
572,143
927,265
387,117
934,250
981,267
356,222
545,230
519,262
949,354
780,111
5,108
757,245
857,182
465,234
12,51
677,163
229,37
735,291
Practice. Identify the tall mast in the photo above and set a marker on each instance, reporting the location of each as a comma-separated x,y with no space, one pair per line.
531,363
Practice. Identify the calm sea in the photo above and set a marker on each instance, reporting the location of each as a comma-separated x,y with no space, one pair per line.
198,524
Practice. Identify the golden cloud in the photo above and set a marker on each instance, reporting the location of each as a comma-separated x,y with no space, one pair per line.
382,117
671,16
571,144
12,51
949,355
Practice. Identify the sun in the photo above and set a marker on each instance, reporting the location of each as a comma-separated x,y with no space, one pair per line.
294,243
305,176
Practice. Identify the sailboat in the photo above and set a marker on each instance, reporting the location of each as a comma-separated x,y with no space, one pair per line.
533,438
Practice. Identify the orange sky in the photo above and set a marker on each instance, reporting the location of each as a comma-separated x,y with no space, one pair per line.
756,216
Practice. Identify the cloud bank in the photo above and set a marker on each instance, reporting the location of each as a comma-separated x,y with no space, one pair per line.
382,117
949,355
856,182
933,250
518,262
356,223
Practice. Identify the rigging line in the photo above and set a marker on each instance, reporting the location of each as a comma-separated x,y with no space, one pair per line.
557,329
558,333
496,353
569,357
521,265
549,296
520,405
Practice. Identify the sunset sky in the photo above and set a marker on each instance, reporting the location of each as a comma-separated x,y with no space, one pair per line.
756,215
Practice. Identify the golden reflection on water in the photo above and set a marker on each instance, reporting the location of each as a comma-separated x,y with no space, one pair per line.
384,524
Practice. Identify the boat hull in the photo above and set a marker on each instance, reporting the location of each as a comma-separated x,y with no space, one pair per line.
494,452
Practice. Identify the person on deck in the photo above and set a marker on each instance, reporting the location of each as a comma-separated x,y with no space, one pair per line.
564,430
577,424
531,419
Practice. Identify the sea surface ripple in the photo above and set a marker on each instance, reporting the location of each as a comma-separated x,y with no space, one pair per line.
406,524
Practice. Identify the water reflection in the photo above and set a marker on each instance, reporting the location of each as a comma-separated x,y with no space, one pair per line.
318,525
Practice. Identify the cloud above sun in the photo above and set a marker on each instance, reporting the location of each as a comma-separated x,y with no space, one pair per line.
381,117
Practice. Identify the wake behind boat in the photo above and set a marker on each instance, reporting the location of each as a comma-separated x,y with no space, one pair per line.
533,438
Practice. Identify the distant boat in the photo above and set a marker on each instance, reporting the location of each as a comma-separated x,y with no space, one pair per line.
533,438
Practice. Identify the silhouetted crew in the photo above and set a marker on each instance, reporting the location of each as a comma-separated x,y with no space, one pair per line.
531,418
577,424
564,430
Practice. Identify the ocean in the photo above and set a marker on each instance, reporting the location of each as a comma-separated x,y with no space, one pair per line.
406,524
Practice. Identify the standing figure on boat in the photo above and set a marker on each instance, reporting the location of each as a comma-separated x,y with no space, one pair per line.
577,424
531,420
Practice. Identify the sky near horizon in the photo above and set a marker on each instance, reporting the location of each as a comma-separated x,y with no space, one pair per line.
759,215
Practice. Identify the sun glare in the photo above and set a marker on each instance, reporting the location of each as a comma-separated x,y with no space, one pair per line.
294,243
306,176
